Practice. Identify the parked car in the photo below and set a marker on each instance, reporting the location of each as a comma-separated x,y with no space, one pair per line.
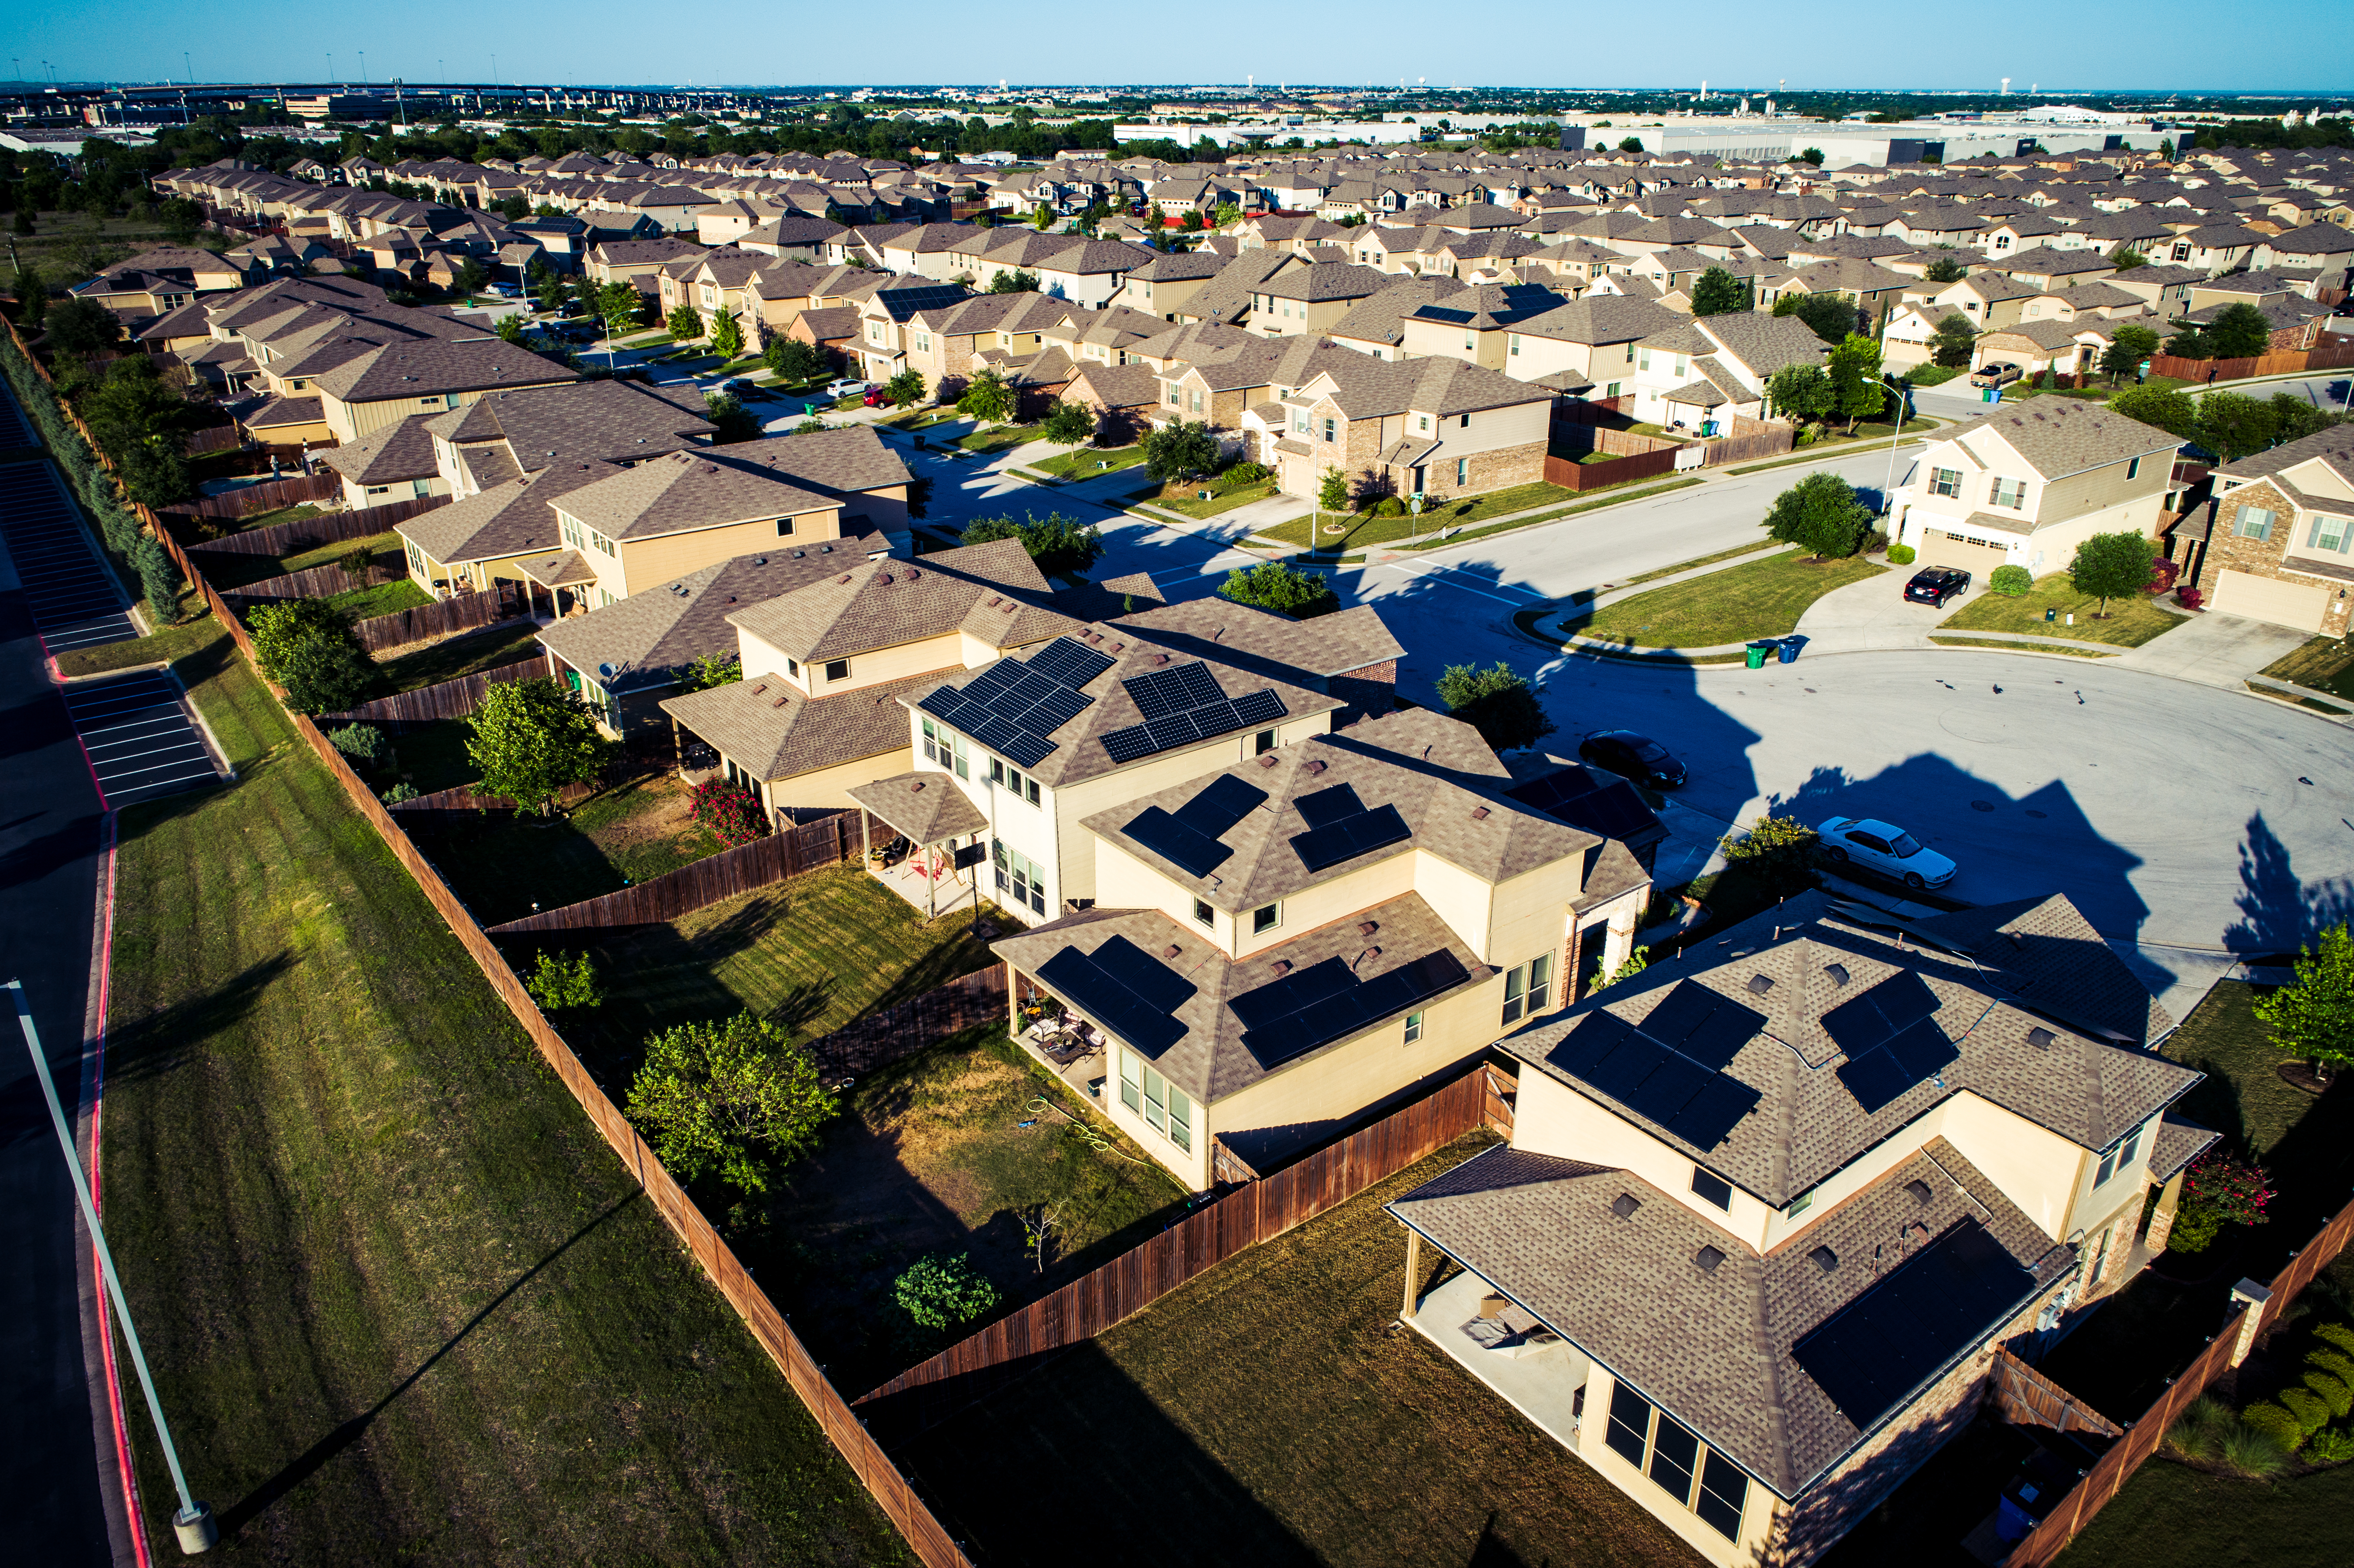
849,386
1885,848
877,396
1936,585
1996,375
1633,756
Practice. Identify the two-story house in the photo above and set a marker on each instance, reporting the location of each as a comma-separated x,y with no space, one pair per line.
1767,1213
1412,426
2277,541
1716,368
2028,483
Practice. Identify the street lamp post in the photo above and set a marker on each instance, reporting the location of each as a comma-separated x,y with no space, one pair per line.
1887,500
194,1523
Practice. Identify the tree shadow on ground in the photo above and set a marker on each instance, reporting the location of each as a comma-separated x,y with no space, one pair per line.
2280,912
160,1043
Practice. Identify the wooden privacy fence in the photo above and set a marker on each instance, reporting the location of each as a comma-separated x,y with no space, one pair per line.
1584,438
881,1038
926,1393
314,582
744,869
2025,1397
219,439
327,529
1573,476
448,700
2328,355
267,496
2109,1473
1760,441
466,798
1590,410
463,613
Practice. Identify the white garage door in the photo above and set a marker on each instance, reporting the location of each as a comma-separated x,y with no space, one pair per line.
1939,549
2300,605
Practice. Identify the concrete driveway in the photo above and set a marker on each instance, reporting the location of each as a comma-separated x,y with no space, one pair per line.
2215,650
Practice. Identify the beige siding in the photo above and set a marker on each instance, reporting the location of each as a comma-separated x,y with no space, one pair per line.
884,665
1552,1118
827,789
651,563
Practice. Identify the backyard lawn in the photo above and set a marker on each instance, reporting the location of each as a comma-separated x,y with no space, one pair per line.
1761,599
403,1304
1272,1412
229,573
2324,663
503,643
2131,621
503,866
2171,1516
383,599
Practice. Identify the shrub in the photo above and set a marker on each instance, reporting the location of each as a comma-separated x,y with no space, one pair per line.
399,792
2194,1229
1278,586
943,1292
2188,597
324,672
1246,473
728,1096
159,580
2162,573
2336,1363
731,812
560,982
1781,850
2255,1452
355,564
2337,1334
360,742
1497,702
2273,1424
2332,1445
2311,1412
2332,1393
1900,555
2011,581
1636,961
2198,1433
1059,545
2235,1191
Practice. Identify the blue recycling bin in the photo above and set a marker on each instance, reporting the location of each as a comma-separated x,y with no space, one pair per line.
1788,648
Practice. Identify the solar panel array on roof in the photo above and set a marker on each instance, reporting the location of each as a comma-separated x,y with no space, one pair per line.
1674,1077
1340,827
1014,708
1873,1353
1189,837
1890,1039
1326,1002
1577,798
1123,987
1183,705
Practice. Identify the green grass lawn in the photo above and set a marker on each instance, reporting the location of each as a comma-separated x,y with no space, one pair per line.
999,438
1186,499
195,629
2131,621
404,1305
301,513
502,864
431,756
508,643
1080,461
229,573
1739,604
2018,646
383,599
1362,529
1271,1412
2169,1515
2324,663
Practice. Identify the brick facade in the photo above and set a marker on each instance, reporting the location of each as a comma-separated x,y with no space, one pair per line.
1370,690
2225,550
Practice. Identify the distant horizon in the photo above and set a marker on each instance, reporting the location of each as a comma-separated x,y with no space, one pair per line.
1732,91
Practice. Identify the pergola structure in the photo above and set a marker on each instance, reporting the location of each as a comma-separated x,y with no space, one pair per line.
929,810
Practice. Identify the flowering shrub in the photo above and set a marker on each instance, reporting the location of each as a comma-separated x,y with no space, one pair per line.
730,811
2218,1191
2188,597
2162,573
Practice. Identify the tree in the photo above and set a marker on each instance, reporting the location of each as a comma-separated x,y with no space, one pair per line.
1945,269
1854,371
510,328
2125,258
1014,283
2128,346
731,1096
562,984
181,219
1332,491
1069,424
708,670
276,629
1061,545
1630,143
1801,392
1719,292
1811,156
2294,417
727,336
1832,316
2313,1015
159,580
1820,513
1951,346
2239,332
736,422
1497,702
2111,565
1780,851
2161,407
2189,341
1181,450
1277,586
84,326
794,360
468,277
905,389
324,672
1224,213
531,738
987,398
32,295
619,304
2234,426
684,322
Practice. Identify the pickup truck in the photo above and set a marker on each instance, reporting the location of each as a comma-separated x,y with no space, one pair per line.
1996,376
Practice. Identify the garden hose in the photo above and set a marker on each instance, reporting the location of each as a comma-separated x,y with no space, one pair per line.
1096,1140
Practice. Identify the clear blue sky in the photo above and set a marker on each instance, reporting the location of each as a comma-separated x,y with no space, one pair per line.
2301,46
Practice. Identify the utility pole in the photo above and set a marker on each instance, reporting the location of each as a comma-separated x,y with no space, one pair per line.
194,1523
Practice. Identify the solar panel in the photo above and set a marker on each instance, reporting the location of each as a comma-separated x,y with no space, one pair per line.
1326,1002
1127,745
1179,842
994,733
1157,695
1258,707
1182,706
1218,808
1068,663
1055,709
1123,987
1890,1039
944,704
1326,807
1195,686
1340,828
1870,1355
989,683
1028,748
1172,730
1689,1095
1875,1078
1901,1000
1709,1028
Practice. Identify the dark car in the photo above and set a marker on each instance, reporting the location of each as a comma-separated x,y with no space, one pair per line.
1633,756
1936,585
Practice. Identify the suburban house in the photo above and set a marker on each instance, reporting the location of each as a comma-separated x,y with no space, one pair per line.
1714,368
637,262
2064,347
1768,1213
2277,541
382,385
1412,427
155,282
394,463
2029,483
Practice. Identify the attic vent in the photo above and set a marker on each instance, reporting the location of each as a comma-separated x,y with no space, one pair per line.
679,588
842,578
1170,951
1825,1259
798,553
2040,1039
1479,813
780,701
1838,973
1760,984
1158,659
1625,1204
995,600
883,580
1268,761
1117,646
1282,967
1316,767
1920,1190
1708,1257
913,574
731,599
917,788
825,549
759,689
1367,927
759,560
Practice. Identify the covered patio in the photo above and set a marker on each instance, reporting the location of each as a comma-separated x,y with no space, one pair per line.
560,581
924,840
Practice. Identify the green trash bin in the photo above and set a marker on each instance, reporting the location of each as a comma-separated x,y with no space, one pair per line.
1757,652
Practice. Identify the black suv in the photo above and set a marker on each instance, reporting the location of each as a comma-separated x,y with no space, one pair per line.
1936,585
1633,756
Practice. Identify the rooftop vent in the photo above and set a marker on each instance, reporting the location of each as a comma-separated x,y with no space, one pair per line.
757,690
798,553
2040,1039
759,560
917,788
1825,1259
1838,973
842,578
1708,1257
995,600
883,580
1367,927
1158,659
1117,646
1625,1204
1479,813
1282,967
1760,984
1316,767
1170,951
780,700
1268,761
913,574
1920,1190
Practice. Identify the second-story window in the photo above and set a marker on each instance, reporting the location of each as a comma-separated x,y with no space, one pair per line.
1204,914
2121,1158
1328,430
837,670
1413,1027
1712,1188
1527,988
1945,482
2133,468
2011,494
1265,918
2252,522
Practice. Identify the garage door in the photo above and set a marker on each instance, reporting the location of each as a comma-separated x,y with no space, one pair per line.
2300,605
1939,549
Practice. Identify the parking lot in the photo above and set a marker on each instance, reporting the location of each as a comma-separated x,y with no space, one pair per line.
73,597
138,737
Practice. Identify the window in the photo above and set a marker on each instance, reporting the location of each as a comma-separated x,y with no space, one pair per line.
1262,743
1020,877
2252,522
1462,473
1675,1454
1802,1202
837,670
793,668
1172,397
1463,422
1265,918
2328,533
1328,429
1715,1188
2133,468
1723,1493
784,526
2121,1158
1645,362
1525,988
1204,914
2006,493
1630,1425
1512,343
1161,1104
1945,482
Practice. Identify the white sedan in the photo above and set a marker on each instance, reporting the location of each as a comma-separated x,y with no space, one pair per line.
1885,848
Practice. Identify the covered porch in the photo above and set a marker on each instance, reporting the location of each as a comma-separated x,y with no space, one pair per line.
557,585
1502,1344
924,840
